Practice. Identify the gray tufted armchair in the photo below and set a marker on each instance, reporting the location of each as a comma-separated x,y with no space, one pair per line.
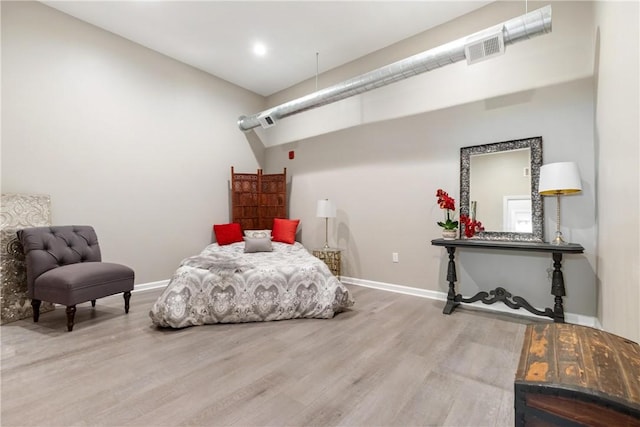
64,266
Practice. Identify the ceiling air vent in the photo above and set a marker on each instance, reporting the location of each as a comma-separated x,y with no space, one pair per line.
266,120
484,48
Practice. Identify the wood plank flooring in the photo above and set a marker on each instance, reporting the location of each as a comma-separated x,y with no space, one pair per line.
393,360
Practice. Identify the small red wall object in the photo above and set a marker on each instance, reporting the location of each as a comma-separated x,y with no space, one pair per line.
292,155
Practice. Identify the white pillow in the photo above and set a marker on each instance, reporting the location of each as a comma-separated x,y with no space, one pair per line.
258,234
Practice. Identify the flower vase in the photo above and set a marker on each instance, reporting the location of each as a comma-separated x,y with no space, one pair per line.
449,234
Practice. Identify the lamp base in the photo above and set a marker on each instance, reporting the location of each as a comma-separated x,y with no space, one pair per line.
326,233
558,240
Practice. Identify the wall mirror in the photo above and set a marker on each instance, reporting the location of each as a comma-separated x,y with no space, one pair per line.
499,187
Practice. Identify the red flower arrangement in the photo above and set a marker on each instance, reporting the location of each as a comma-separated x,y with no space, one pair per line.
449,204
471,226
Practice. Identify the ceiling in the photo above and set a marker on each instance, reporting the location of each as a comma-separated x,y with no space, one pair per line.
301,37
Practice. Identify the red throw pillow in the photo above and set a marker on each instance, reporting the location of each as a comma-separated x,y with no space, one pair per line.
284,230
228,233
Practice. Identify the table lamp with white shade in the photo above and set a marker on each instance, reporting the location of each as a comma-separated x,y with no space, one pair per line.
559,179
326,209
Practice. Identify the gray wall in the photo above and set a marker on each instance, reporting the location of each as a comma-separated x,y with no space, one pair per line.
383,178
125,139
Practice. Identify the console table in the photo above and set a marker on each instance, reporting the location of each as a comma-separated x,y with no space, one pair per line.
499,293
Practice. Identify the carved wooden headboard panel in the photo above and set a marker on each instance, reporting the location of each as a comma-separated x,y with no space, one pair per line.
257,198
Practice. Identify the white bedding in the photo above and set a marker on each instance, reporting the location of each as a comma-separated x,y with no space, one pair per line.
225,285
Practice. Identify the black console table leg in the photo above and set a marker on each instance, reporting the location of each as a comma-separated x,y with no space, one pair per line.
451,278
557,288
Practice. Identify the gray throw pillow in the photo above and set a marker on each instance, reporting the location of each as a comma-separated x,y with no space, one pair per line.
262,244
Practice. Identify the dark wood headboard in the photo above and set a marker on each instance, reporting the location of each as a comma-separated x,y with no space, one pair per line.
257,198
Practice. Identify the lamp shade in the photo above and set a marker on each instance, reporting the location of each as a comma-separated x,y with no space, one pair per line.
326,209
559,178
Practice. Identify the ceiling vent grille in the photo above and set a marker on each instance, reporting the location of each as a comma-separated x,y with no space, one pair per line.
266,120
484,48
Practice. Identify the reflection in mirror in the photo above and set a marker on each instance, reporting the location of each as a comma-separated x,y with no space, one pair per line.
498,186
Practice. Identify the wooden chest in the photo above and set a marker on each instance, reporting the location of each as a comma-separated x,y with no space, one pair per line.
572,375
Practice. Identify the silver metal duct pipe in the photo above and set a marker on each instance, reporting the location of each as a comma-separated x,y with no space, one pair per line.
517,29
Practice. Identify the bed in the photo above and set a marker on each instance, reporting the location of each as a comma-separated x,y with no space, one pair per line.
256,271
223,284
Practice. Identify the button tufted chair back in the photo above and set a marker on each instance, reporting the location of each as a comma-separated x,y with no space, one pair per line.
50,247
64,266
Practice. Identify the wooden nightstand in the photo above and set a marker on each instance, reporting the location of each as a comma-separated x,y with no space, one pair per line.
331,257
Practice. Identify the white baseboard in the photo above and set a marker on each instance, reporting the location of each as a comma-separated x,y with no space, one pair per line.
151,285
578,319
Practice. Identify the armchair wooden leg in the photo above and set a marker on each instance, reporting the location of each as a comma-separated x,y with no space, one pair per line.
127,297
35,304
93,303
71,313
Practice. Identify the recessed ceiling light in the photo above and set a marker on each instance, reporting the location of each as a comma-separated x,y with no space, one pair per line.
259,49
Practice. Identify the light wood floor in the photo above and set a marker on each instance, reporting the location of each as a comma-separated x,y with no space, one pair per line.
393,360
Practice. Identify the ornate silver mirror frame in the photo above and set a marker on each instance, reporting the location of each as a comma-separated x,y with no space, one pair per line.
535,145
